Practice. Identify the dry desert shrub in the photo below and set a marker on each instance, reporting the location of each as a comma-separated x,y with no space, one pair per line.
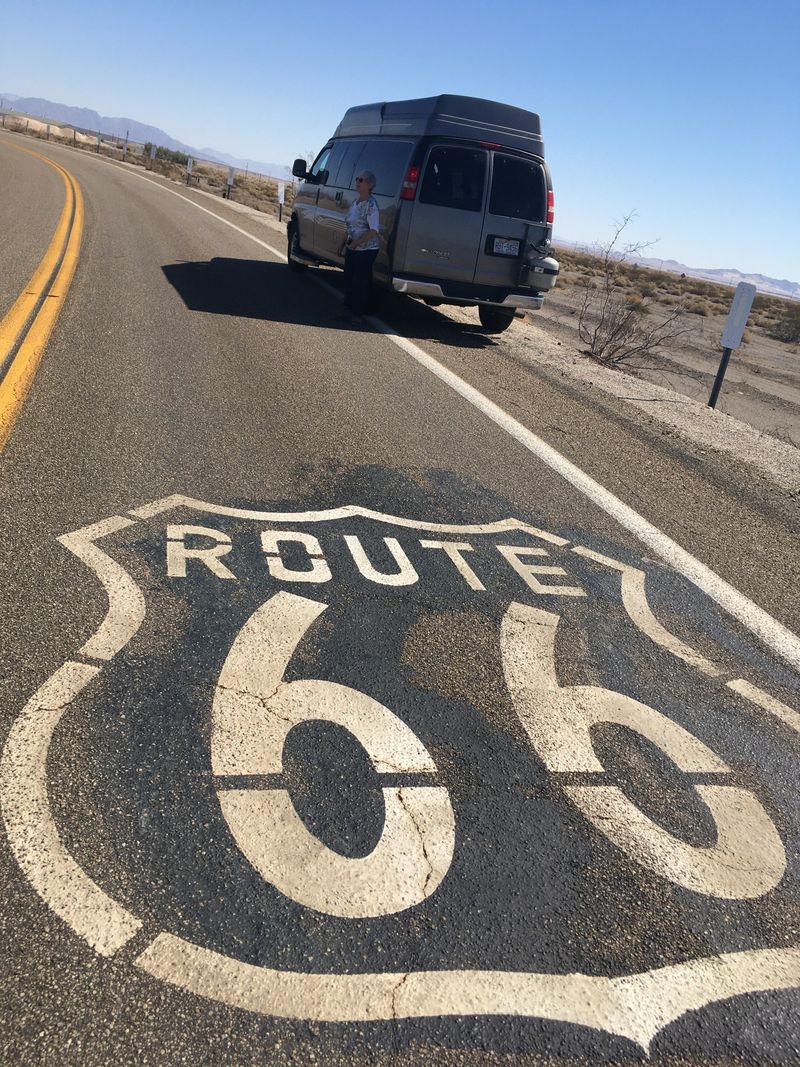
787,328
618,328
636,302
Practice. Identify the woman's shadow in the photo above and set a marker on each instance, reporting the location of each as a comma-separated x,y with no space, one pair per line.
260,289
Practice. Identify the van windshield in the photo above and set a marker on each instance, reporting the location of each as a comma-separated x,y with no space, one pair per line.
518,189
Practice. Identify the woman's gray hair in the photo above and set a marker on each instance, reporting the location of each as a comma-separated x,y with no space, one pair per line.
369,177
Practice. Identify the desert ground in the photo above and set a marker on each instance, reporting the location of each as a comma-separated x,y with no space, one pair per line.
762,383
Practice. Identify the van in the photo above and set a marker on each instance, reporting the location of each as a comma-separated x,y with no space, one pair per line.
465,198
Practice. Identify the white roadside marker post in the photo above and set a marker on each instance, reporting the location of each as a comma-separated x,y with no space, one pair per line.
229,183
732,335
281,200
189,164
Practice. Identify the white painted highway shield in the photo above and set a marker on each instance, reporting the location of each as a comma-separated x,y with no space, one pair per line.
349,766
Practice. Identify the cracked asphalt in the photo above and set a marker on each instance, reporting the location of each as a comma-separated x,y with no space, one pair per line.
188,360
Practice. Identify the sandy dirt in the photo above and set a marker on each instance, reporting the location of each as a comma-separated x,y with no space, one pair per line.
762,383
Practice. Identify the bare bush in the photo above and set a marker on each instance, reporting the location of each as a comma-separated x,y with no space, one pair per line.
787,328
615,327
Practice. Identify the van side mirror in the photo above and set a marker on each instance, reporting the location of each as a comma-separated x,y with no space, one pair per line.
300,168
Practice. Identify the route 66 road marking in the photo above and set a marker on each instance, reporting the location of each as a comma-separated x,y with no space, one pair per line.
258,701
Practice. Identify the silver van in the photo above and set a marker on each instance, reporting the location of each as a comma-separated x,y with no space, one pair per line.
465,197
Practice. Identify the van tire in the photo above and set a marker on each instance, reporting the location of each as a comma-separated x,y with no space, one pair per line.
495,320
293,246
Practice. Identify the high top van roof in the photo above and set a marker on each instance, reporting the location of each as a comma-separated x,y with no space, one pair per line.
446,116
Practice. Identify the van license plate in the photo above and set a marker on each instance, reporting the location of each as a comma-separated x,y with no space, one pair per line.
504,247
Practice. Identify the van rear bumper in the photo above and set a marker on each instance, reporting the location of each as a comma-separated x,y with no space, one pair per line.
461,293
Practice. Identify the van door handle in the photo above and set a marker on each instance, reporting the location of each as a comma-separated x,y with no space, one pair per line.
338,196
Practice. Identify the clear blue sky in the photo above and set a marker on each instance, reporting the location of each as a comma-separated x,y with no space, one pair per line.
686,112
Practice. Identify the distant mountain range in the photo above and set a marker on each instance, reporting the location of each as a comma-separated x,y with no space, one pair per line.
728,276
85,119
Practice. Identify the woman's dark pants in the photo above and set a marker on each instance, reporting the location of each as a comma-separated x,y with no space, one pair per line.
358,279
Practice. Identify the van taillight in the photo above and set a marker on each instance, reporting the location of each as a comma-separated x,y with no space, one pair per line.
551,204
409,189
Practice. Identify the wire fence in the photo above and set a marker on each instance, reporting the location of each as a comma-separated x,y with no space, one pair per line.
262,192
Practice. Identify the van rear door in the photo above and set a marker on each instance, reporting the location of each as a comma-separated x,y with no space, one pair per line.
516,213
447,219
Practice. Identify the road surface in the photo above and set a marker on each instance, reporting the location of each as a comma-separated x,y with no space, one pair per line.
369,697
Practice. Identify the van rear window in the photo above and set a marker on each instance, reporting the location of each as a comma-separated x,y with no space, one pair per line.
518,189
454,177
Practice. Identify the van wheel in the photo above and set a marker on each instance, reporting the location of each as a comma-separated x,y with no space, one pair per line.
495,320
294,249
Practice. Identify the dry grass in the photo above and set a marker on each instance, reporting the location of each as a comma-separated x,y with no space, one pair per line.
654,283
642,287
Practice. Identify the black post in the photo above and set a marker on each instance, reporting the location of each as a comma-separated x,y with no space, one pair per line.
723,366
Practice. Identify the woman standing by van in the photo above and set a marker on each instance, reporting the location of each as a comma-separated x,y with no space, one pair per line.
361,246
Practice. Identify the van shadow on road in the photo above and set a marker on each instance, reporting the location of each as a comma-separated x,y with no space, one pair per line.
258,289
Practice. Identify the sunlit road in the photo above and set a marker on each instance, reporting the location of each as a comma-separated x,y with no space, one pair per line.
366,695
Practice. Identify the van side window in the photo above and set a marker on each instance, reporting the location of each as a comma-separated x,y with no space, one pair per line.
454,177
321,162
347,168
388,161
518,189
333,162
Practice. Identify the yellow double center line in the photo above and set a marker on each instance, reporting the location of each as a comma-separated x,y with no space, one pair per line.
26,329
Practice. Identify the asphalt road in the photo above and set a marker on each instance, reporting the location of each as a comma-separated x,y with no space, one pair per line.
303,785
29,210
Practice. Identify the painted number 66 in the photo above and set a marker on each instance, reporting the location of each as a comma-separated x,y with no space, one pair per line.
254,710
